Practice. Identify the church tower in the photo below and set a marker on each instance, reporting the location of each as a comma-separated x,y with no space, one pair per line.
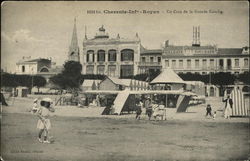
74,54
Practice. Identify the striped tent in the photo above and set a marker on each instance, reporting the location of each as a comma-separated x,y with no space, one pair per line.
239,107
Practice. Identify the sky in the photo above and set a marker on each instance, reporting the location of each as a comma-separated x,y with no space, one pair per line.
44,29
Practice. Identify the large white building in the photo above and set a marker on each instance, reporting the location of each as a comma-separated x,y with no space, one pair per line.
116,57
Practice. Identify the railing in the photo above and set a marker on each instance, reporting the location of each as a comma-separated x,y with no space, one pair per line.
150,64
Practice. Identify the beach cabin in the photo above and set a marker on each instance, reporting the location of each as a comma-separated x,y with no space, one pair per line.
212,90
22,92
114,84
89,84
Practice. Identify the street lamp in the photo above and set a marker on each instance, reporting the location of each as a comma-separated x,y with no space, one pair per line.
31,79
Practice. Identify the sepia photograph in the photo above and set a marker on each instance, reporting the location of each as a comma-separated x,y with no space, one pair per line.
125,81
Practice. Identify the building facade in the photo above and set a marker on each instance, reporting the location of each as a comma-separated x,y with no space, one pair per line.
119,57
115,57
195,58
33,66
206,59
40,66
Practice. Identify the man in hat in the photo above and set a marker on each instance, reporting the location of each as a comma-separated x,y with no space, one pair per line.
148,106
228,106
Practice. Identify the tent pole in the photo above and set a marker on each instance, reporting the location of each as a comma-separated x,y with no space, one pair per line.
166,100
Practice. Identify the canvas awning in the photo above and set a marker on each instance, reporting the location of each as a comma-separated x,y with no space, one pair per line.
167,76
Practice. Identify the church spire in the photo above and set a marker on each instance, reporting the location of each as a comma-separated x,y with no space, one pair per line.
74,48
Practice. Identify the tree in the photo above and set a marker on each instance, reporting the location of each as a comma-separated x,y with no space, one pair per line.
13,80
245,77
39,81
70,78
223,78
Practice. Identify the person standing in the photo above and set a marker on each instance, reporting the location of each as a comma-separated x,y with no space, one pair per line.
43,123
35,106
138,110
228,106
148,106
209,110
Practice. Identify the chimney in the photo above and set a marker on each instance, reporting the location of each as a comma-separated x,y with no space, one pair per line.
196,36
166,43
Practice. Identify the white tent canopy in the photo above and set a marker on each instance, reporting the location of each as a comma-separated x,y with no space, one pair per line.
167,76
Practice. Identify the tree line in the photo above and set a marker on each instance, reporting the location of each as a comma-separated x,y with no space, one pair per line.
71,78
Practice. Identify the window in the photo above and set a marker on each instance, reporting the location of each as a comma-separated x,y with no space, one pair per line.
246,63
166,63
180,63
159,59
90,56
100,69
100,55
90,69
197,63
188,63
173,63
23,68
44,70
143,59
236,63
112,55
211,63
111,70
204,63
127,55
127,70
151,59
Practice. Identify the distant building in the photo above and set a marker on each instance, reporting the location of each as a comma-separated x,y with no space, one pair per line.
115,57
195,58
40,66
33,66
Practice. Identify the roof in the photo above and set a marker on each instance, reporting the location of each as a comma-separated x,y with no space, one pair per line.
230,51
124,82
88,83
152,51
32,60
167,76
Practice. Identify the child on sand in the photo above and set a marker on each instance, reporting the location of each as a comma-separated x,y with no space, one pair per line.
35,106
214,115
209,110
43,123
138,110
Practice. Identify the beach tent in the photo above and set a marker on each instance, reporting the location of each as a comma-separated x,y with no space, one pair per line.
239,107
167,76
112,83
88,84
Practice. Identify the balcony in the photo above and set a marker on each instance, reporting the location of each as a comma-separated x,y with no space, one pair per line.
150,64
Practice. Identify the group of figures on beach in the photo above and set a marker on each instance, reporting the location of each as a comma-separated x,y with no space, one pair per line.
227,110
152,109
